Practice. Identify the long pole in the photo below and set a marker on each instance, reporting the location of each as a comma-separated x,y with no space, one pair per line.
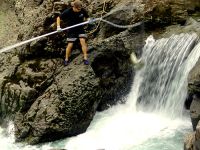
39,37
76,25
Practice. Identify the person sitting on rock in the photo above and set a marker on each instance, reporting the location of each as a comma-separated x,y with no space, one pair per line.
71,16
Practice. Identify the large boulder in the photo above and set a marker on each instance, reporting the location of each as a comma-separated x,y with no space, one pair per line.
194,100
65,108
112,64
194,80
192,6
192,140
189,141
194,93
195,111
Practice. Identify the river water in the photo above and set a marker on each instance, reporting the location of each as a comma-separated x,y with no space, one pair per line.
153,118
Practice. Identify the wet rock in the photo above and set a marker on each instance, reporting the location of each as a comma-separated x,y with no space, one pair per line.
113,66
192,140
195,111
189,142
193,80
192,6
193,88
197,137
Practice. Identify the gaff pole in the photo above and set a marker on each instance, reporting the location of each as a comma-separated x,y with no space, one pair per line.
48,34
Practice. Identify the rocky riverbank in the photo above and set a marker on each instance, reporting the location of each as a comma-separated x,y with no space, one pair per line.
44,98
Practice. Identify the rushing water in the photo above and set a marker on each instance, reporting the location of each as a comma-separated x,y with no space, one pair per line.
153,117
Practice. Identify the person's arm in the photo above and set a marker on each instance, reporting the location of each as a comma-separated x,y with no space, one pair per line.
58,21
86,16
62,16
58,24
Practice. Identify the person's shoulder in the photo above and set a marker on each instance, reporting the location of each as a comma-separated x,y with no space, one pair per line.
65,13
68,10
85,12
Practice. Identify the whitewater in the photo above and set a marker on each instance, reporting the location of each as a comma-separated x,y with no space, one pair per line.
153,117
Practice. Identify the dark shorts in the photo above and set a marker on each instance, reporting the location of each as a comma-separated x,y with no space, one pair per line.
73,35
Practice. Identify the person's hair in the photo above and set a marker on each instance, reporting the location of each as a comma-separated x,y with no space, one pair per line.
77,4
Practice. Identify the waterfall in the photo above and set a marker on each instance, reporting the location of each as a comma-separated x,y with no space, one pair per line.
164,78
152,116
151,119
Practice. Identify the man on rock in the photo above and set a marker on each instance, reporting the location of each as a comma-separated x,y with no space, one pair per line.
71,16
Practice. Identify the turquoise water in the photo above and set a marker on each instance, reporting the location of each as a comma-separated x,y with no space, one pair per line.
174,141
119,132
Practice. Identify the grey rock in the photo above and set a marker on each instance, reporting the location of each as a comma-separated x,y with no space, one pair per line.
189,141
195,111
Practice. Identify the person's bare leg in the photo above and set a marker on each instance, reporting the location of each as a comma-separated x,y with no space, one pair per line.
68,50
84,48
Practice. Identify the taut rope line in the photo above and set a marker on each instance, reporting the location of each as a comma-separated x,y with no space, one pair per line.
70,27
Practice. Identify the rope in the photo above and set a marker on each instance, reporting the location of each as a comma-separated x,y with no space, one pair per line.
121,26
113,24
67,28
104,5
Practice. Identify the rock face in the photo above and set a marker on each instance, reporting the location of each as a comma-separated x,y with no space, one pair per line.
43,97
193,143
192,140
195,111
9,24
193,80
194,91
65,108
